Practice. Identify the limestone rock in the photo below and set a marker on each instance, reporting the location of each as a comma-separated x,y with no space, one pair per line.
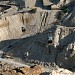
30,3
46,2
37,70
24,35
62,71
32,71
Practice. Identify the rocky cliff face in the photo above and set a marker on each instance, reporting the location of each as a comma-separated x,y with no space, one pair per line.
66,46
24,32
32,23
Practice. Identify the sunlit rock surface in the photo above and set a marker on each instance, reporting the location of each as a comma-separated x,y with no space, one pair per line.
24,33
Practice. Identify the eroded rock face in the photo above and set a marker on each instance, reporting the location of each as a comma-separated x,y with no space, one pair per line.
70,18
65,46
25,33
30,3
64,35
31,22
66,57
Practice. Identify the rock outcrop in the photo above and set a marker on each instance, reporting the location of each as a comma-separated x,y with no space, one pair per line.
24,29
6,69
62,71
